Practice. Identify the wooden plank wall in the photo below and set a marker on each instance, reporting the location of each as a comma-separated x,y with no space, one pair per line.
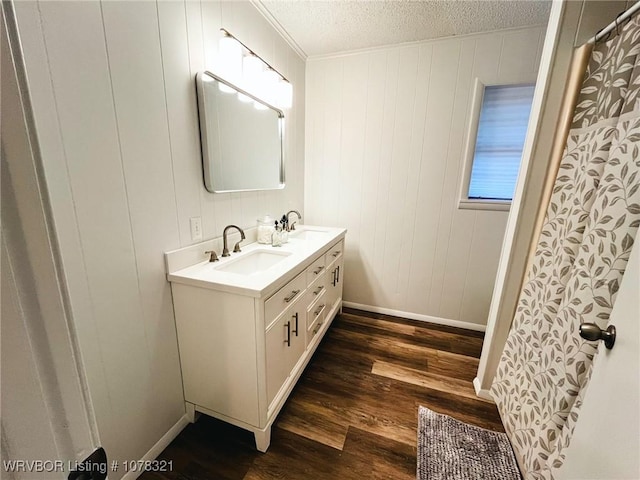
113,91
385,138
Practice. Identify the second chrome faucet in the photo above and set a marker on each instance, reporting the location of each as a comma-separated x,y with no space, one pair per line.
292,226
236,248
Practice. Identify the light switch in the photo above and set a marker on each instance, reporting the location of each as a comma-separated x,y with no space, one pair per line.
196,228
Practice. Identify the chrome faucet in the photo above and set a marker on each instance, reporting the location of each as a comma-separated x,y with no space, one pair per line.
225,250
292,226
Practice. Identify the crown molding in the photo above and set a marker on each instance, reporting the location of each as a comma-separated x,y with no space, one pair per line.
279,28
391,46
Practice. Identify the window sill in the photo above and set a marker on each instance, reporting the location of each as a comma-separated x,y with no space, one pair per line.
499,205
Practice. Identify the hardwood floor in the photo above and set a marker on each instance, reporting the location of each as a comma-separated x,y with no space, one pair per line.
353,414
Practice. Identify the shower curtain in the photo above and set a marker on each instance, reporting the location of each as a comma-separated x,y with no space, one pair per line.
580,258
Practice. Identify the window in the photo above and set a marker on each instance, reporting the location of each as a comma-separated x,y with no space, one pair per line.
500,117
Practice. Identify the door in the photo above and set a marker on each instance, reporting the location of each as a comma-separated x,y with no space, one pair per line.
47,426
606,440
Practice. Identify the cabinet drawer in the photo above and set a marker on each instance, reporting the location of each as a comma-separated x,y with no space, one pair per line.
316,290
315,315
316,269
334,253
284,297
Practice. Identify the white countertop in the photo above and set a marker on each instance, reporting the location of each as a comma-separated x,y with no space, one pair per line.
209,275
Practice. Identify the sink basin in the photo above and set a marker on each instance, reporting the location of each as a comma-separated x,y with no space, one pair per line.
308,234
254,262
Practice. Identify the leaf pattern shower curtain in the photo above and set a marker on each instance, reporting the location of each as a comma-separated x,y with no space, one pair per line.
581,256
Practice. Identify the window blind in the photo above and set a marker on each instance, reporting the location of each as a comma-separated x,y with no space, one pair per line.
502,128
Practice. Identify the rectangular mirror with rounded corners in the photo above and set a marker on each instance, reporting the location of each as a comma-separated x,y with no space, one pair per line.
241,138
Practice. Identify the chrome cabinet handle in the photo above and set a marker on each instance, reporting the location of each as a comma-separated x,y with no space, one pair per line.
319,310
318,270
288,340
317,290
336,253
334,281
296,329
291,296
593,333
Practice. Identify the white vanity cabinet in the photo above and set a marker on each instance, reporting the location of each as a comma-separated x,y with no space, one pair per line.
242,350
285,338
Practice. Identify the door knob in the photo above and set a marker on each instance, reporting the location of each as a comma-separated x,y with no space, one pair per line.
593,333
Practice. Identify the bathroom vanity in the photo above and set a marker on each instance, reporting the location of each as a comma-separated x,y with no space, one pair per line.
248,324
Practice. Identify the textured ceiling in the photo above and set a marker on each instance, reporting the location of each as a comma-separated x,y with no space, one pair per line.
322,27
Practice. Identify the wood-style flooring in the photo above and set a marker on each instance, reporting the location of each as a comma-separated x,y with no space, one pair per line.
353,413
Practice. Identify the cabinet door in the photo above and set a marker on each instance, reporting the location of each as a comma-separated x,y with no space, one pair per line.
277,341
334,284
285,344
297,345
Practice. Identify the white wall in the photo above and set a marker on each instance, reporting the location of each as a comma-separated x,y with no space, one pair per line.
113,93
385,136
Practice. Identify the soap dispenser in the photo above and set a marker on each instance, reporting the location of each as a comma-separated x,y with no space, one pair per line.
284,229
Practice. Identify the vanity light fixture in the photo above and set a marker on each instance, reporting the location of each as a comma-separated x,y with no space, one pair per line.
252,68
269,86
256,76
230,61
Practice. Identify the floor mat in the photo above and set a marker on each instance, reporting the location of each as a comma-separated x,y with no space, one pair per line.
453,450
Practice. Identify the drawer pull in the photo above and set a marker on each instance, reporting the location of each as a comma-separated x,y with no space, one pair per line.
288,340
296,329
318,270
315,330
317,290
291,296
335,254
319,310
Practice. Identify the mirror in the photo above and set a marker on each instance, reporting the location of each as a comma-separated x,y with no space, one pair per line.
241,138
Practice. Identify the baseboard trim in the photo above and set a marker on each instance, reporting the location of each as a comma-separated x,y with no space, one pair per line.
480,392
160,445
417,316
